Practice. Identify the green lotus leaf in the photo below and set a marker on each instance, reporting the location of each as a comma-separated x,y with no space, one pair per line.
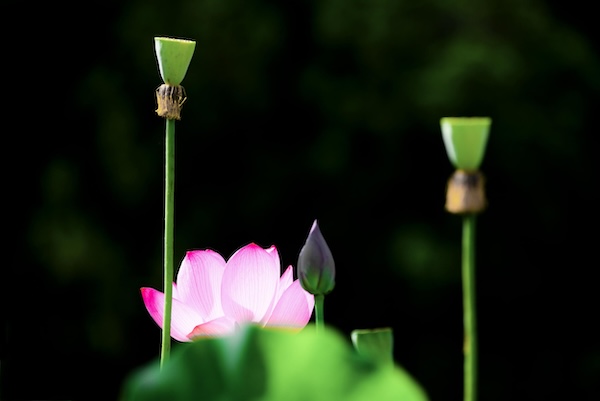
263,364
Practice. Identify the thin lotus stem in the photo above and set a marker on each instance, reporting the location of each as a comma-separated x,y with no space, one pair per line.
319,321
168,237
469,316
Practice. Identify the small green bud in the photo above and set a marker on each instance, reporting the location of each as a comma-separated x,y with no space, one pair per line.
316,268
173,56
375,344
465,139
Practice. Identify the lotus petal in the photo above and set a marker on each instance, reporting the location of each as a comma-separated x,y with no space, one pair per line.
183,317
199,282
217,327
294,308
249,283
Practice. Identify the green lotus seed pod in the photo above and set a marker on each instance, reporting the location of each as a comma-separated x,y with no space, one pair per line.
465,139
174,56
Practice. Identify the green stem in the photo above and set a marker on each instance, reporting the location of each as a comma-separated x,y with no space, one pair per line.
168,238
319,321
469,316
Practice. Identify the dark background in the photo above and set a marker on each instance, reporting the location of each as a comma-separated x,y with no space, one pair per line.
303,110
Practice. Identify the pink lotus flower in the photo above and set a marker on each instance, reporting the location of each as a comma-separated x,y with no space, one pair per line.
212,297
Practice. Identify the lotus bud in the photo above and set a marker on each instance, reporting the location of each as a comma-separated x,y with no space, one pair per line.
316,267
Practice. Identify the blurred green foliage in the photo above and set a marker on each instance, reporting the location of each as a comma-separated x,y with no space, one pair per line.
256,364
300,110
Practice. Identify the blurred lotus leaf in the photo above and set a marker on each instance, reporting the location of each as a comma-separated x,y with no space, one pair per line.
271,365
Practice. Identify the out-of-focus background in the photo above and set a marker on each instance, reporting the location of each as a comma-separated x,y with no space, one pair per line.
303,110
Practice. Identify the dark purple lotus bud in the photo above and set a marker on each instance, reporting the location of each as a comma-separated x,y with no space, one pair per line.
316,268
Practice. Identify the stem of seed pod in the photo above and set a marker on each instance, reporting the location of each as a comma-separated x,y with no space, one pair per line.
168,238
319,321
173,56
469,316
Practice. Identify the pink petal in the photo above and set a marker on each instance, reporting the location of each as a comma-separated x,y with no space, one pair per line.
199,282
284,282
287,278
183,318
294,308
250,283
175,291
272,250
217,327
